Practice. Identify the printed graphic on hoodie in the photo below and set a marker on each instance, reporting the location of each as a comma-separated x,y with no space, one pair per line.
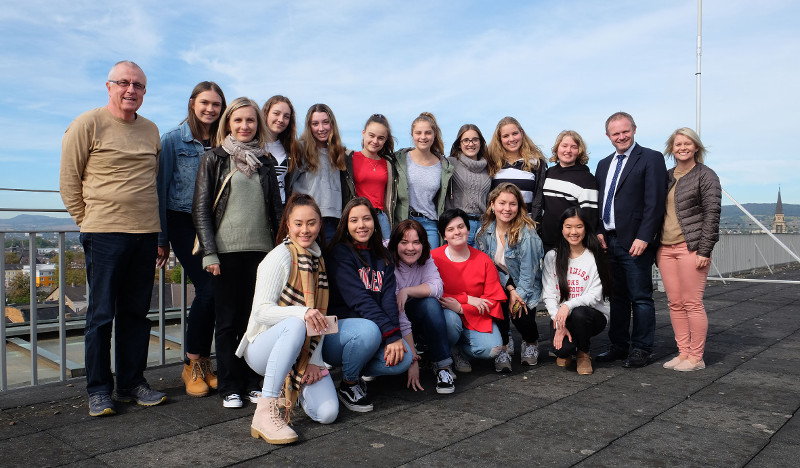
373,280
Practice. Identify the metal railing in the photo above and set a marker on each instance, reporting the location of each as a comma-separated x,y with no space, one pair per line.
32,330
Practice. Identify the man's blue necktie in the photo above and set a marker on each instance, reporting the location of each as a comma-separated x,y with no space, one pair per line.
611,189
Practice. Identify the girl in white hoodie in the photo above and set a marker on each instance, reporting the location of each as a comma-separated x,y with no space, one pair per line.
576,284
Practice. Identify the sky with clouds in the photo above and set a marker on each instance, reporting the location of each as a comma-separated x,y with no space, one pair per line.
553,65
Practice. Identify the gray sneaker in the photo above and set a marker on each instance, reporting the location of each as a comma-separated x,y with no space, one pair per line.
100,404
502,363
529,353
142,395
460,363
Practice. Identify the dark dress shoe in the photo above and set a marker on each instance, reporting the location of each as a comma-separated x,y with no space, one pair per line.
611,355
637,358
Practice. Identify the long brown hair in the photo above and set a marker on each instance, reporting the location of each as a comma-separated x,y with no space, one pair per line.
531,155
375,242
299,199
308,156
437,147
194,122
520,221
288,137
591,243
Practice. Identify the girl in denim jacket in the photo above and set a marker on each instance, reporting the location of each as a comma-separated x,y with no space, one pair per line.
508,236
181,149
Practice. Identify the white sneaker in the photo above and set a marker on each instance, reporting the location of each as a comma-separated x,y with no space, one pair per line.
502,363
529,353
232,401
510,345
253,396
459,362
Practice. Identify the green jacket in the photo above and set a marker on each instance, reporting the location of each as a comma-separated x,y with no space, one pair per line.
390,196
402,205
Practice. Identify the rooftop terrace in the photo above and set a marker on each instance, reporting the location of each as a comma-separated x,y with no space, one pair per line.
738,411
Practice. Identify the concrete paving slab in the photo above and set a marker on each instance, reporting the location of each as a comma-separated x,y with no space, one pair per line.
52,414
765,379
38,449
355,445
629,400
509,445
753,397
10,427
500,406
617,455
696,445
222,445
106,434
775,454
432,426
747,421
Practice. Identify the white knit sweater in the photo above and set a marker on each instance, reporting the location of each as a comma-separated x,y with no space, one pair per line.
585,288
273,273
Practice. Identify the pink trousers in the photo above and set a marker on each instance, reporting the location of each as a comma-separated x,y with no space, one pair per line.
685,285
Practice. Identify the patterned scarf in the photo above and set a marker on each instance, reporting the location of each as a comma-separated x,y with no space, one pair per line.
307,286
244,155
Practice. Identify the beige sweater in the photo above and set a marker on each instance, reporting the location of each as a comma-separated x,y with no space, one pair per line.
108,173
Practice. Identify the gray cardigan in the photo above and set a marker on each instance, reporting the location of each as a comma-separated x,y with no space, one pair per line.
698,202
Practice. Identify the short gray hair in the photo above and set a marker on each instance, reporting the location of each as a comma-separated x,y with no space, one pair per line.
130,64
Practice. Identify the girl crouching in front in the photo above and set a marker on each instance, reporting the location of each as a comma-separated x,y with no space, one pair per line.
363,297
291,296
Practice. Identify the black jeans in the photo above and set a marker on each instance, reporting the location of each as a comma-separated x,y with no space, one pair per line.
200,323
583,323
525,323
120,268
233,299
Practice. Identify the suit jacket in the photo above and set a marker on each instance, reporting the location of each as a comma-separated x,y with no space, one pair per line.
640,197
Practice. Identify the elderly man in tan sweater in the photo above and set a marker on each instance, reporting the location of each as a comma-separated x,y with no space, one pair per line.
109,162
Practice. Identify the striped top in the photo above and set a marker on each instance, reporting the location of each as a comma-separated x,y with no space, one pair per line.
529,183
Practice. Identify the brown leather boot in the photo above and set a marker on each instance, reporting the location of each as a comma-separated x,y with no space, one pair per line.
208,372
564,362
192,376
269,425
584,363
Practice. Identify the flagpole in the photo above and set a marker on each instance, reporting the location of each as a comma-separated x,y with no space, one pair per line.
699,54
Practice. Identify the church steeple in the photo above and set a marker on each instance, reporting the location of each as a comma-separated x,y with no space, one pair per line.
778,222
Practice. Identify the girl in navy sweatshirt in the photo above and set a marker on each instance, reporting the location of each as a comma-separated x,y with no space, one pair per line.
363,296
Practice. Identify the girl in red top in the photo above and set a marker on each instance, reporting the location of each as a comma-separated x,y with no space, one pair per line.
472,293
372,169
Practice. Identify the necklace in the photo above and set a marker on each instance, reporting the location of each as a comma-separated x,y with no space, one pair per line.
373,162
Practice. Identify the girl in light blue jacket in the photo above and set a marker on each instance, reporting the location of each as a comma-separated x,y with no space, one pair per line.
508,236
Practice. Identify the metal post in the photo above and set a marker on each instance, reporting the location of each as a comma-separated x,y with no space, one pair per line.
699,54
764,258
718,272
161,315
34,319
3,366
62,314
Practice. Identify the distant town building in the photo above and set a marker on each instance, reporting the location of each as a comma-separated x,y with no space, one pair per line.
778,223
74,298
11,271
45,274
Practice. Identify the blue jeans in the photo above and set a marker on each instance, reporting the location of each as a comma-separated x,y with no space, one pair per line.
120,269
329,228
386,228
430,228
472,344
272,354
426,315
200,322
474,225
358,349
633,291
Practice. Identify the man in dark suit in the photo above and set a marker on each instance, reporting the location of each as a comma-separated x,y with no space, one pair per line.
633,190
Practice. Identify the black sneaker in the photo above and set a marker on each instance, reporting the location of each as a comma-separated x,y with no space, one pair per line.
355,397
444,381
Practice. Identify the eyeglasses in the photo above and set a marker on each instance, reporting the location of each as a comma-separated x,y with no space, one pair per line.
470,141
125,84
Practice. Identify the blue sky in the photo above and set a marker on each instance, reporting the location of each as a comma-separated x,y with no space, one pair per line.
553,65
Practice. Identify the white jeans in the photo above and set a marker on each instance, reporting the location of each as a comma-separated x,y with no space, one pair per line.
272,354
